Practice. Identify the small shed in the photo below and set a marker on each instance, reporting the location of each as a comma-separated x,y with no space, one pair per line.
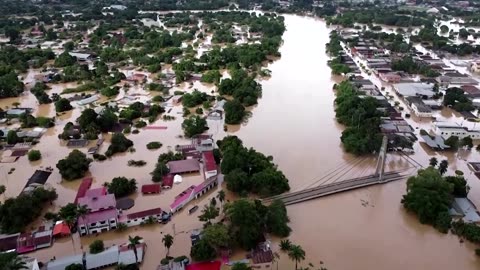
151,189
61,229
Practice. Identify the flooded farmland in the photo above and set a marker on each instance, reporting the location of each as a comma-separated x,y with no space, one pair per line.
294,122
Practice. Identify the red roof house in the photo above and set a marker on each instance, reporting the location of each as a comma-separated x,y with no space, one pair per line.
151,189
210,166
61,229
83,188
167,181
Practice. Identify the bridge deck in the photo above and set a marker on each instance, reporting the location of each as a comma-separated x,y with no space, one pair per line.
324,190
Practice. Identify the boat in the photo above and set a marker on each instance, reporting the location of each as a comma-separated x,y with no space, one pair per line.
193,209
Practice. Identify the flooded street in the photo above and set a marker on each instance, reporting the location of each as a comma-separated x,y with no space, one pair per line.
294,122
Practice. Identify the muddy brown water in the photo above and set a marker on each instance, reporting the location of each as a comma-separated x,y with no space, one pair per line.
294,122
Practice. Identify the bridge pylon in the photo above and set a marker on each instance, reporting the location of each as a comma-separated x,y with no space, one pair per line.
382,155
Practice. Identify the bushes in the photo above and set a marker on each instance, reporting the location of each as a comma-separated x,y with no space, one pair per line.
63,105
110,91
96,246
154,145
74,166
34,155
136,163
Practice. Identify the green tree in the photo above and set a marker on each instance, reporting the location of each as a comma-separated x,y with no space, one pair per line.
296,254
132,244
247,224
63,105
64,60
429,197
167,241
277,219
453,142
221,196
234,112
34,155
74,166
194,125
12,137
119,144
433,161
285,245
460,187
467,141
443,167
121,186
217,236
160,170
96,246
202,251
209,212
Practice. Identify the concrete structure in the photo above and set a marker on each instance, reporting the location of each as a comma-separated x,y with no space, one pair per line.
30,263
421,110
475,66
191,193
446,131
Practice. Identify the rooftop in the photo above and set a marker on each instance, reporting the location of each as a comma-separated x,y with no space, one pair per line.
145,213
97,203
98,216
209,161
151,188
467,209
107,257
183,166
83,188
414,89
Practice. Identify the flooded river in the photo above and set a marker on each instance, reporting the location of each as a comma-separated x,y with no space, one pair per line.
295,123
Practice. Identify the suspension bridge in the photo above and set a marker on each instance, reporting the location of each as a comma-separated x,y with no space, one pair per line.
333,182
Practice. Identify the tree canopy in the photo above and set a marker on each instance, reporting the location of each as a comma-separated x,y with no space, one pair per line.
247,170
429,196
121,186
74,166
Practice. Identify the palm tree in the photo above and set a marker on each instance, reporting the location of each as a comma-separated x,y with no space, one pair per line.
15,264
275,259
443,167
82,210
168,242
433,161
2,190
132,243
221,196
296,254
285,245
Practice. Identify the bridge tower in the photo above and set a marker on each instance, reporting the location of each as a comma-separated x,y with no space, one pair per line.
382,155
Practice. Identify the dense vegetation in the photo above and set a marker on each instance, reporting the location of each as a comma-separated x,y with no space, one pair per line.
121,186
456,98
429,196
410,66
17,213
119,144
74,166
248,171
360,116
194,125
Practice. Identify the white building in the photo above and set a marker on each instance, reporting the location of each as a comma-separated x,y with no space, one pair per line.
421,110
138,218
446,131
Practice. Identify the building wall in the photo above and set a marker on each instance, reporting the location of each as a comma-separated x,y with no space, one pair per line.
447,133
138,221
209,174
98,227
420,114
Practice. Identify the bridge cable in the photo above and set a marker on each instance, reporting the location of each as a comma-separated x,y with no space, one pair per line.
344,172
344,164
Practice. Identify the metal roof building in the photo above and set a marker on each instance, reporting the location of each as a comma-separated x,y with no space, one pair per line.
62,263
103,259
